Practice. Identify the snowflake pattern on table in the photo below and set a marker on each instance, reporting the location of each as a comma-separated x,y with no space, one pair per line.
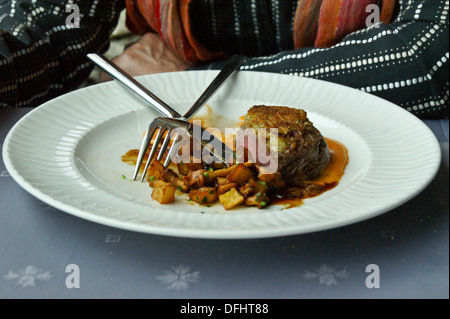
179,277
327,275
27,277
4,173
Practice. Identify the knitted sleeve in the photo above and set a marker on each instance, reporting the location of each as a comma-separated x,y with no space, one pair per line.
405,62
43,46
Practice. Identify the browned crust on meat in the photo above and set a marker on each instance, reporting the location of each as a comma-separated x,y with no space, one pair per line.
285,119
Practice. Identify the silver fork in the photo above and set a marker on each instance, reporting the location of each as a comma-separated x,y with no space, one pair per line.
173,121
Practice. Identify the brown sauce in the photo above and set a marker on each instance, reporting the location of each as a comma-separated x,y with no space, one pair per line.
293,195
130,157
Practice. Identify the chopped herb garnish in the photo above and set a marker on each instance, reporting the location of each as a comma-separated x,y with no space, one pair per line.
179,187
124,177
211,169
263,183
205,174
211,192
181,162
263,203
205,199
152,178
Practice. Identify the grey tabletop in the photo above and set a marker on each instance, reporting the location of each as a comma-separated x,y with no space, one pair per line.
46,253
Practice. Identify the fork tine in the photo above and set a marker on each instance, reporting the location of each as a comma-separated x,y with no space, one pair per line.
144,145
164,145
158,138
174,147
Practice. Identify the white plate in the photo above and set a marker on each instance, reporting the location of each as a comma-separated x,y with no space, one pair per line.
67,153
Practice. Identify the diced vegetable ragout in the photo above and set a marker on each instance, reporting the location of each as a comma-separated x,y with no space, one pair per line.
232,186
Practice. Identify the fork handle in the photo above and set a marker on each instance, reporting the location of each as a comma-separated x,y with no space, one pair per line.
118,74
230,67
